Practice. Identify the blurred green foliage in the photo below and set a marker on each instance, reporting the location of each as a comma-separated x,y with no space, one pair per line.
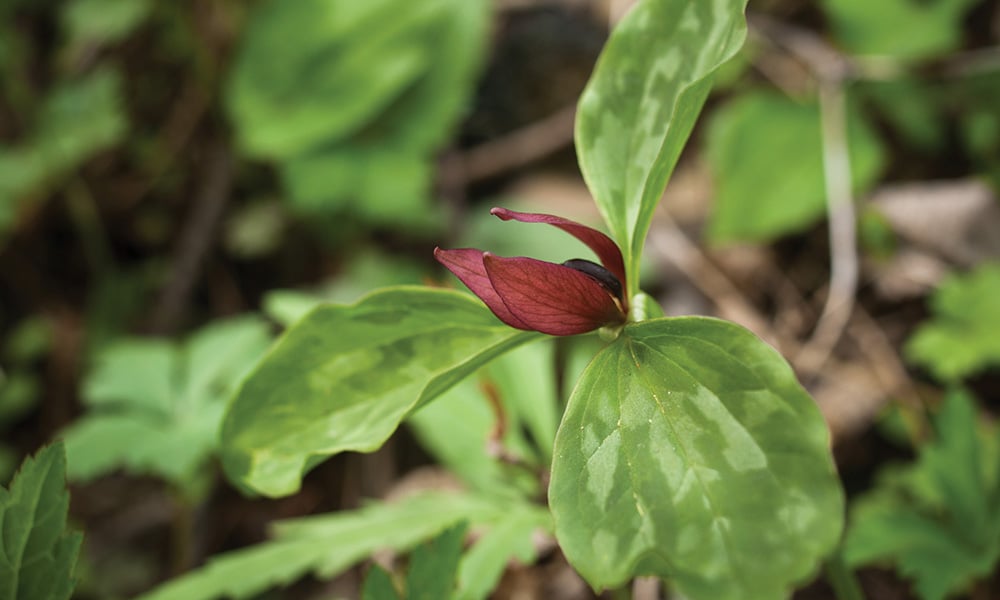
961,337
352,99
937,519
77,119
155,406
766,156
901,29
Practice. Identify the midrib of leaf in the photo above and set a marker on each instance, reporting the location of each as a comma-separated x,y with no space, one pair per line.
504,344
644,378
724,533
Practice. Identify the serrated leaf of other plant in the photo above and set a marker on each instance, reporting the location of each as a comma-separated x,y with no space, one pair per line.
326,545
378,585
433,564
37,554
642,101
344,377
937,519
155,406
689,451
961,337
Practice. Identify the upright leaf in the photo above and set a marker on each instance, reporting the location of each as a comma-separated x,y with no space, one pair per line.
37,554
359,370
641,103
689,451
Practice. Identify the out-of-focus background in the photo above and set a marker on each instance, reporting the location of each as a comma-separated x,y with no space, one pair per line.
185,176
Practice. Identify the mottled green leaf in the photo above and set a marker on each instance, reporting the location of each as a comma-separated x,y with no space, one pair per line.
37,554
325,545
344,377
903,29
938,519
766,156
641,103
689,451
961,337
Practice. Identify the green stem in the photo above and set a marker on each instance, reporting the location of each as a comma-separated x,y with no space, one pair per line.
845,584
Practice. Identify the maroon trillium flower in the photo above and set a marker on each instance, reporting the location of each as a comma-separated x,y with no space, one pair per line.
575,297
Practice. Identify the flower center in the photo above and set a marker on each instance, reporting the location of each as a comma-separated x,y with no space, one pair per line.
597,273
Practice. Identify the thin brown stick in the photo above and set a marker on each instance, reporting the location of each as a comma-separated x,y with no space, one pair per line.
671,243
195,240
520,147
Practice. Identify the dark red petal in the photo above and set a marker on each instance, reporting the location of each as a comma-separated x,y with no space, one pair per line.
551,298
467,265
605,248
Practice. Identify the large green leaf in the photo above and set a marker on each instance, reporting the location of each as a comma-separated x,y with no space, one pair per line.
688,450
344,377
766,156
37,555
938,519
641,103
326,545
961,339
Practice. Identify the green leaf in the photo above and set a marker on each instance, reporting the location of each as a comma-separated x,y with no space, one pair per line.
766,155
903,29
938,520
325,545
37,554
344,377
155,406
103,21
641,103
398,75
77,119
510,537
378,585
433,564
689,451
961,339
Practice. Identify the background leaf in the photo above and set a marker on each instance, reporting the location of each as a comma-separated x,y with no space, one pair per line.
904,29
398,74
155,406
938,520
326,545
431,575
961,337
37,554
766,155
689,451
641,103
361,370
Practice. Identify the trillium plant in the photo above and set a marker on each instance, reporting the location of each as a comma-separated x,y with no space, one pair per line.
687,450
